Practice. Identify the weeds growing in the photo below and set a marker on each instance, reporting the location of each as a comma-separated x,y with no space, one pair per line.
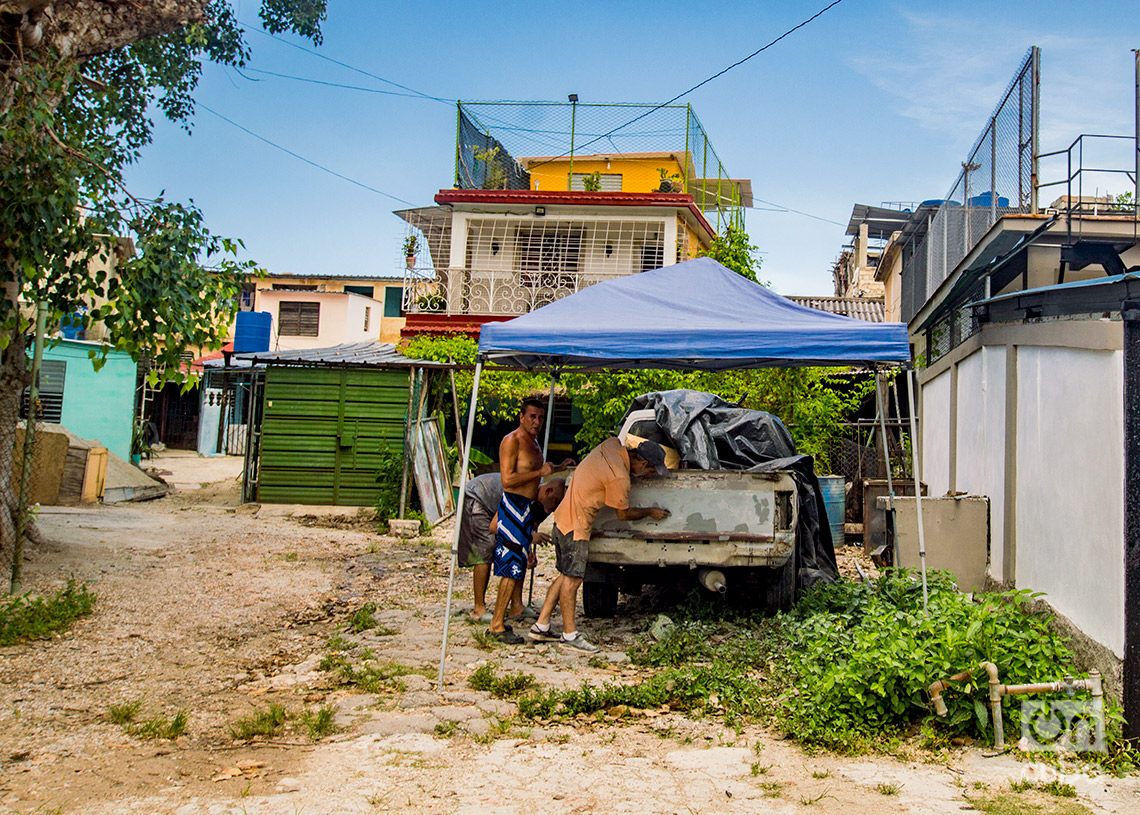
507,686
157,727
29,617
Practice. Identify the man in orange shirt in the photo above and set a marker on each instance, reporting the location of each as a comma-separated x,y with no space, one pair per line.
602,479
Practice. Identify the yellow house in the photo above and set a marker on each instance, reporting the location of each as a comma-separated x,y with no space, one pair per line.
519,230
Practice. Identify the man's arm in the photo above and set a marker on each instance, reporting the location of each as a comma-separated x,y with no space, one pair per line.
637,513
509,466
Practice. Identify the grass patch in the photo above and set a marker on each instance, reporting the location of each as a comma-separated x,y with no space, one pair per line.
363,618
883,788
261,724
483,640
1012,803
126,715
160,727
363,672
28,617
320,722
507,686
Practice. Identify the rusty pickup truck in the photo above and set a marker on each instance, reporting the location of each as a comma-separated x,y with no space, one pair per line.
729,531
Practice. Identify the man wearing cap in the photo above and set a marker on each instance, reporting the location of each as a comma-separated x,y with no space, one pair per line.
602,479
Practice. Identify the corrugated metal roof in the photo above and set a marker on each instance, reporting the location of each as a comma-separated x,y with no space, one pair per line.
355,354
869,309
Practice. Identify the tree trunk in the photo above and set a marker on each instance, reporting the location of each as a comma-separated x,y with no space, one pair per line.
79,29
14,377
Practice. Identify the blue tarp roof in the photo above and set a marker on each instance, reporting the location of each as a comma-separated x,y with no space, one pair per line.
695,315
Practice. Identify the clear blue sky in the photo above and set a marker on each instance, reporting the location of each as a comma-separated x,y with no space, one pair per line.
874,101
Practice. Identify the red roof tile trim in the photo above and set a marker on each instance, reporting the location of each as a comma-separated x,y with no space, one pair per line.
468,324
675,200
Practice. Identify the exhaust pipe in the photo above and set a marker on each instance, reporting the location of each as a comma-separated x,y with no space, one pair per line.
713,580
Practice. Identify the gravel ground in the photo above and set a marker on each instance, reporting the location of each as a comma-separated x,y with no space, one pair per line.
220,610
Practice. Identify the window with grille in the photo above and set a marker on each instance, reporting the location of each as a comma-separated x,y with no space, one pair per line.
53,374
295,319
548,258
367,316
608,182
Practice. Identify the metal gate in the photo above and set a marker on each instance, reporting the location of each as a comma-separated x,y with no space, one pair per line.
322,433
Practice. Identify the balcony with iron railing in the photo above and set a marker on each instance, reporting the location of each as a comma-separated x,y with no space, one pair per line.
513,266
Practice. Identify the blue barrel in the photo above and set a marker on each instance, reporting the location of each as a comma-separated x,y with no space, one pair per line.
251,334
835,503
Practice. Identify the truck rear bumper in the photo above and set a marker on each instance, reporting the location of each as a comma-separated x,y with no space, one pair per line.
721,554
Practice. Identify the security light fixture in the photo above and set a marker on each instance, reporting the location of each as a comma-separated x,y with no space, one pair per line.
540,211
573,97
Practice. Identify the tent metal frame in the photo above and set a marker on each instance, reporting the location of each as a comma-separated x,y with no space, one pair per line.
554,373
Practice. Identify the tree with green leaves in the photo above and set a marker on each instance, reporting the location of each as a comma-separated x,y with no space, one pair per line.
77,79
734,250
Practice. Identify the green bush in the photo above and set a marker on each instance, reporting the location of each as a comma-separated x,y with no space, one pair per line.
26,617
859,657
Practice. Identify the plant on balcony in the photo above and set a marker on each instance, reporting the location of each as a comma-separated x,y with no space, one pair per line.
592,182
493,178
670,182
432,302
411,244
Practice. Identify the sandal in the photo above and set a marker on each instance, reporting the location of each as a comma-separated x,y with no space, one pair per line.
538,635
505,637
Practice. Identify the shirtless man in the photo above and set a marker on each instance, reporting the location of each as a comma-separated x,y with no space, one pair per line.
522,470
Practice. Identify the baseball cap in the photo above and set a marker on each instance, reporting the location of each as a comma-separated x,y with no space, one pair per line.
652,452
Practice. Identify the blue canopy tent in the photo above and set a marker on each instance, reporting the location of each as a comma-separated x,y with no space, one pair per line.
696,315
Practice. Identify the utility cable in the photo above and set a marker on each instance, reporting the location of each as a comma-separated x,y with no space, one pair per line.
243,71
722,72
782,208
308,161
349,67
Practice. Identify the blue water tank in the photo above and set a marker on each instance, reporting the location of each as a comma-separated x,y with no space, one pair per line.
834,491
252,332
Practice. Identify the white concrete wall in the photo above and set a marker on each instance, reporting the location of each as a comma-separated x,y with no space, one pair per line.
935,432
1070,472
341,318
980,462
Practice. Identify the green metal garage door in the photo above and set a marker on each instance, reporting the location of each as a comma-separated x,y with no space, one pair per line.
323,430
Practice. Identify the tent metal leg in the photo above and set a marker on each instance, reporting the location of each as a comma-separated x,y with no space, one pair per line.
458,520
910,390
880,403
545,453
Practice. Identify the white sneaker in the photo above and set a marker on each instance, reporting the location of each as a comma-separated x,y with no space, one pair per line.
579,645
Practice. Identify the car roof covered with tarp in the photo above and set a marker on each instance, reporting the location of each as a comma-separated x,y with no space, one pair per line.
696,315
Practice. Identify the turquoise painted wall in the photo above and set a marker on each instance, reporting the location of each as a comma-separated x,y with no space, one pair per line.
97,405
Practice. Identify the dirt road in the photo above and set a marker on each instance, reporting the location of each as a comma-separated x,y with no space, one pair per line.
221,610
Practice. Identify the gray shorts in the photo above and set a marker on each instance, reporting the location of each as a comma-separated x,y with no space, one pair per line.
476,543
570,555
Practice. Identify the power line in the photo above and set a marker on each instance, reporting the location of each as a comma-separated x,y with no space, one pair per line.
782,208
243,71
327,58
739,62
308,161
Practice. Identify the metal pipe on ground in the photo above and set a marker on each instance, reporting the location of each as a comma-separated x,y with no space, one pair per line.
1068,686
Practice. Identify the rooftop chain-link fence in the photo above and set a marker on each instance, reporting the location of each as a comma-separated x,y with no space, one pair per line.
517,145
997,178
